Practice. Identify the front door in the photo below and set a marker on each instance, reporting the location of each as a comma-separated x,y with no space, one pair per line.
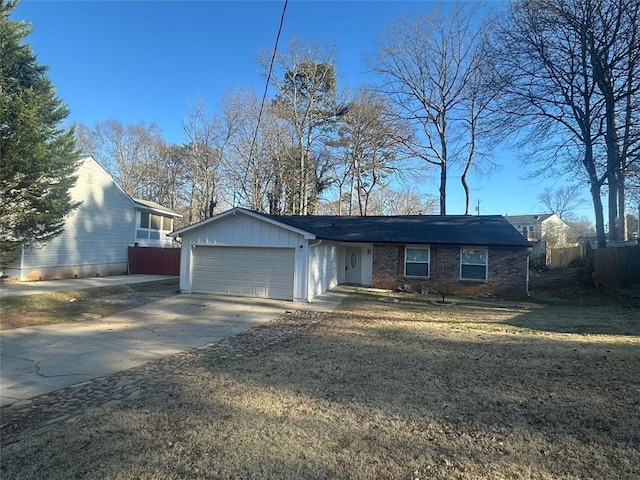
352,266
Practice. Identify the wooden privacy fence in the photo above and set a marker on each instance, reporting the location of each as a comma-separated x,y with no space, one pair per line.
154,260
561,257
616,267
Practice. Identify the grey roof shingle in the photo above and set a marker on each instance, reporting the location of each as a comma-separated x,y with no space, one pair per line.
528,219
148,204
484,230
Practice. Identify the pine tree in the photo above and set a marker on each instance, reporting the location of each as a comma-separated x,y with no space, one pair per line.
37,156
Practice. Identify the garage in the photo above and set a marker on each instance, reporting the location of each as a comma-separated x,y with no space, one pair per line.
244,271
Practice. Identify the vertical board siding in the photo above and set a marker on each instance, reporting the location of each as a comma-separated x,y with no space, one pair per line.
243,230
97,233
323,268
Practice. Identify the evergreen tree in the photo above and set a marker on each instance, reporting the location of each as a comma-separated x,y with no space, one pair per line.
37,157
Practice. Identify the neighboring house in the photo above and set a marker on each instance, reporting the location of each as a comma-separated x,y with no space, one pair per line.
241,252
96,235
542,230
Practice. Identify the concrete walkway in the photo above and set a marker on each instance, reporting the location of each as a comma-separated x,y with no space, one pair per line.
38,360
18,289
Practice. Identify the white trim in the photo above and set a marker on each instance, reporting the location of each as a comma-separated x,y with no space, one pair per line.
417,247
162,211
233,212
486,265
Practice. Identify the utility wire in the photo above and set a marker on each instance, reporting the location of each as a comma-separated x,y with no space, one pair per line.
266,86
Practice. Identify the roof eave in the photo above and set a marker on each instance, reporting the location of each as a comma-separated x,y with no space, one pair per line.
233,212
145,208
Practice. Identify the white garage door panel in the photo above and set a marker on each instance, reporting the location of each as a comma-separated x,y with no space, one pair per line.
254,272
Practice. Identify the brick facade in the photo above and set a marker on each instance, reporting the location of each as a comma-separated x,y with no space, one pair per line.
507,270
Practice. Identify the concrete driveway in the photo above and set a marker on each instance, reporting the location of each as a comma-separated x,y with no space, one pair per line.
37,360
19,289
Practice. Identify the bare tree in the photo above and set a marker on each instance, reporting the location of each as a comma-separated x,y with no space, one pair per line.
368,147
561,201
549,95
305,80
480,94
128,152
426,64
208,138
614,44
580,228
559,61
168,178
401,201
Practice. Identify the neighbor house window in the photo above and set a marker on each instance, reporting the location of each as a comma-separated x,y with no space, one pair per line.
151,225
473,264
416,262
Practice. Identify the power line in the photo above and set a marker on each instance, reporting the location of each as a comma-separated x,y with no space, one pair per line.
266,86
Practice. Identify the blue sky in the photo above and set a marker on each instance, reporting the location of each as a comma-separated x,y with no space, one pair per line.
149,60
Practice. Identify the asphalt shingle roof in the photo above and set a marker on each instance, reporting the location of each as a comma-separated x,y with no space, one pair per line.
154,206
483,230
527,219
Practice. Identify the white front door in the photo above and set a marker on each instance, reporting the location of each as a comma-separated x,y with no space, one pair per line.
353,267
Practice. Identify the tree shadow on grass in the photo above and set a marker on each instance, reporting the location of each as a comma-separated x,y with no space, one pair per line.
365,394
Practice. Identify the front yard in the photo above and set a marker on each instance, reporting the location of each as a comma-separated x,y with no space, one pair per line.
78,305
402,390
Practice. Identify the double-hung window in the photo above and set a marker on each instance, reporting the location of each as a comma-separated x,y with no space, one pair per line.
473,264
416,261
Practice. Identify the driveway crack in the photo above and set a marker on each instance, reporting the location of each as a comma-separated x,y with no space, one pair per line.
37,371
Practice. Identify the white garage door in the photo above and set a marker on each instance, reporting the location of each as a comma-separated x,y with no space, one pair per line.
253,272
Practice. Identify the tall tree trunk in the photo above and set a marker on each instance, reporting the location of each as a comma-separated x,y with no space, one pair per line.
613,172
597,207
467,195
595,186
442,131
443,188
622,211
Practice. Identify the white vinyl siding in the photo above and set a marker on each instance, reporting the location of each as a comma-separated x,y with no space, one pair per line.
97,233
416,261
473,264
243,271
323,268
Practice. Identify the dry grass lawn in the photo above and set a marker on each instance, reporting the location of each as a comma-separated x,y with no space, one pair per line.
375,391
74,305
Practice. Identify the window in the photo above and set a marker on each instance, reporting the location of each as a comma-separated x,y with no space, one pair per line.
416,262
156,222
151,226
473,264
